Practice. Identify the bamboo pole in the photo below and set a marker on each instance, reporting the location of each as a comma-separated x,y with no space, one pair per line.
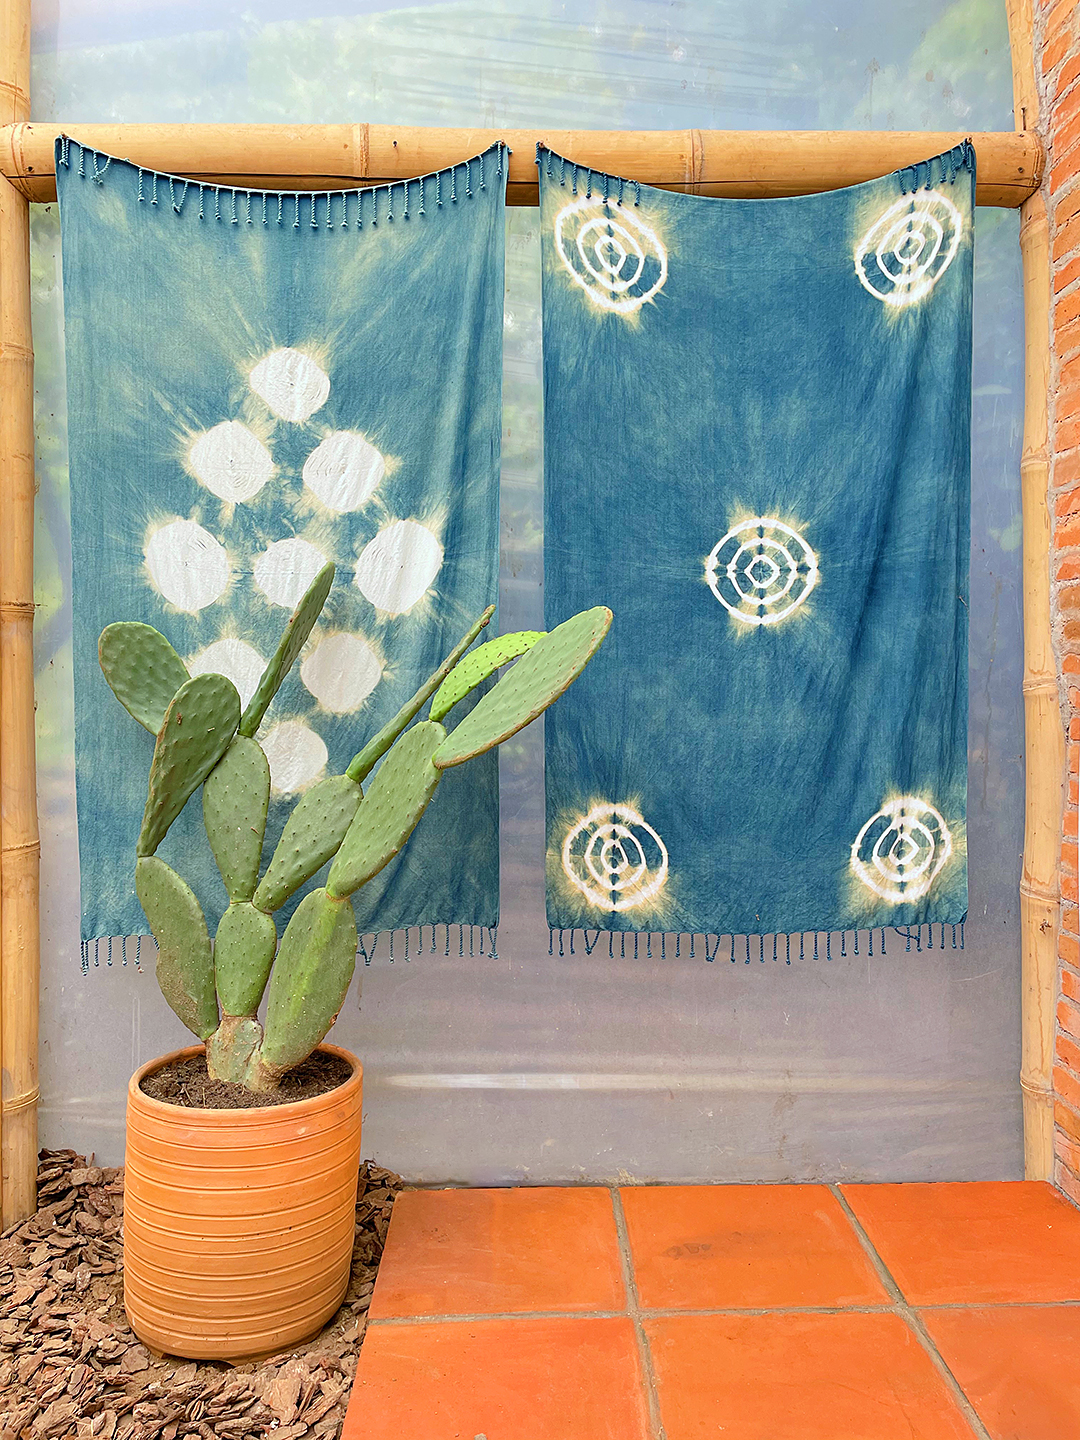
18,803
18,776
1044,735
747,163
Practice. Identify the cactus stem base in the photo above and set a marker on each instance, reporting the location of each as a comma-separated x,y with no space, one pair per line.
230,1049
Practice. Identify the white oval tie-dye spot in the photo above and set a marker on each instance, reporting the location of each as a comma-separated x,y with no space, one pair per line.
291,383
344,471
231,462
396,568
187,565
236,659
286,568
341,672
295,754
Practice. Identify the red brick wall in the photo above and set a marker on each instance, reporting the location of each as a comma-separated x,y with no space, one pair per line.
1058,54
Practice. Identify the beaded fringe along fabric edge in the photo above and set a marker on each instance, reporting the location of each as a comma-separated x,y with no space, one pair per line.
312,209
472,940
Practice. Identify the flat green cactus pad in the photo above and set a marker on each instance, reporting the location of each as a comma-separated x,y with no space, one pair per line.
292,641
365,761
185,965
525,692
236,797
197,730
310,979
143,670
395,800
243,954
475,668
313,832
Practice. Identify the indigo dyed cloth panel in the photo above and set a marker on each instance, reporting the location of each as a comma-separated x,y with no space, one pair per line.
756,445
259,383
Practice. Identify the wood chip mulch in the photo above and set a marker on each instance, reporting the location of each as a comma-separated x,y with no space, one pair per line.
71,1368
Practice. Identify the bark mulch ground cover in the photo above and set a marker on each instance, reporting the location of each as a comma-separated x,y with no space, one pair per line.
70,1367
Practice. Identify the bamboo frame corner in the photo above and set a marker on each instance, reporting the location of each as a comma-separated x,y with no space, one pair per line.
753,164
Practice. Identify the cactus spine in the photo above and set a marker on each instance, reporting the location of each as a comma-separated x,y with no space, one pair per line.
203,740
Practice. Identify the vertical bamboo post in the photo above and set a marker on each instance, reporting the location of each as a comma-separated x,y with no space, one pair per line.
18,784
1044,735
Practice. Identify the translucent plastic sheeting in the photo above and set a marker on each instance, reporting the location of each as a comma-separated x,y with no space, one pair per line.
532,1067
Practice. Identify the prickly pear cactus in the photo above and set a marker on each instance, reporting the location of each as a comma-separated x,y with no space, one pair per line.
243,954
313,832
185,965
363,763
300,625
236,797
538,679
395,800
475,668
143,670
309,983
198,728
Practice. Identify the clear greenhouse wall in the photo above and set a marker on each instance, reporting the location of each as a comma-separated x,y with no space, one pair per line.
532,1067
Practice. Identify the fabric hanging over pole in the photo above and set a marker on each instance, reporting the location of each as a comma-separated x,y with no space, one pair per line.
757,434
260,382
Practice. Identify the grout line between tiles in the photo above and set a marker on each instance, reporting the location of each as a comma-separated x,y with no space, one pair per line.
914,1320
633,1307
648,1313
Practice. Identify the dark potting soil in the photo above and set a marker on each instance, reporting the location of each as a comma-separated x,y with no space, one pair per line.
186,1083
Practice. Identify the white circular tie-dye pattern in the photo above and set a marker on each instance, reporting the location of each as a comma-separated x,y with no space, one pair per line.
344,471
231,462
295,754
286,568
609,250
236,660
761,571
615,858
901,849
291,383
906,251
187,565
341,672
396,568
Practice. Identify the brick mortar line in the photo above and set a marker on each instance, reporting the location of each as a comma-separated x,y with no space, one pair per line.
914,1320
633,1309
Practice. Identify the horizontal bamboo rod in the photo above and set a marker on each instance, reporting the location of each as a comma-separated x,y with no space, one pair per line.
753,164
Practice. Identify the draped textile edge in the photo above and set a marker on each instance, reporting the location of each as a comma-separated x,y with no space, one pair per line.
921,175
480,939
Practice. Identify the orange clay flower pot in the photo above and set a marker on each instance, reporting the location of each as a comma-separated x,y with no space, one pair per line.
238,1224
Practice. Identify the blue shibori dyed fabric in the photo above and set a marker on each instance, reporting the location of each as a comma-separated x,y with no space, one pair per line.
258,383
756,445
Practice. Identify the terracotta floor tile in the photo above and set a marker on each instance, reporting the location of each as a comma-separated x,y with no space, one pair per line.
798,1377
491,1252
1017,1366
574,1379
973,1243
712,1247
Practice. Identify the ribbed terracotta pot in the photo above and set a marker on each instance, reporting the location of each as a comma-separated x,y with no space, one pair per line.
238,1224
